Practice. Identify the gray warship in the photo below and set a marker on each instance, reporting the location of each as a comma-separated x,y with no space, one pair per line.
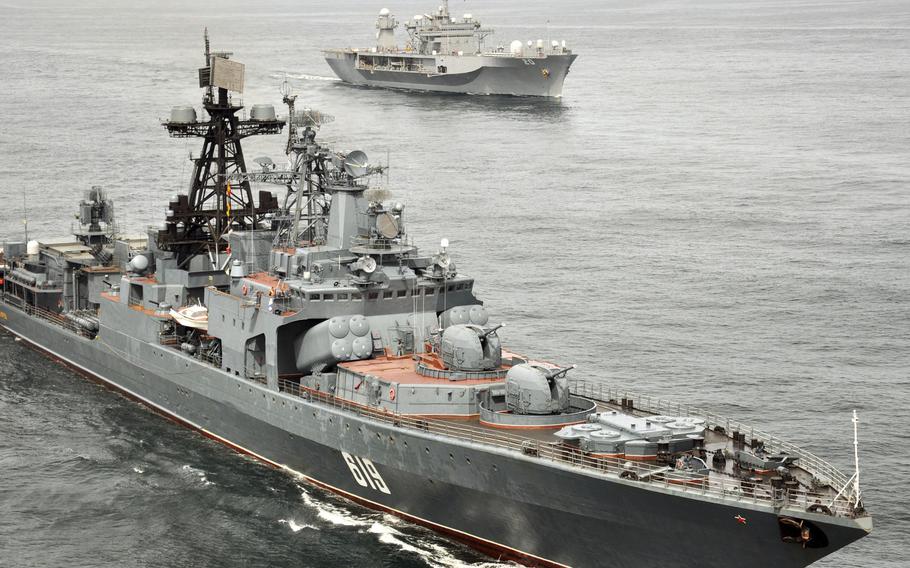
306,330
448,54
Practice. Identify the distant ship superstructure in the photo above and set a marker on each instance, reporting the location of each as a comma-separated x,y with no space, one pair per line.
449,54
312,334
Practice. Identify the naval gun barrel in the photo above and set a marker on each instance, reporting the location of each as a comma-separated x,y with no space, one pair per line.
492,330
557,372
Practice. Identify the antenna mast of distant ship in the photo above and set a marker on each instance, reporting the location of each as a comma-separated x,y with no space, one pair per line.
25,216
856,493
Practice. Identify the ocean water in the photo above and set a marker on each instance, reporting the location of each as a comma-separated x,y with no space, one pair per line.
717,211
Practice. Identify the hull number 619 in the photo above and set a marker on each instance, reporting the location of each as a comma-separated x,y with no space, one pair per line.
365,473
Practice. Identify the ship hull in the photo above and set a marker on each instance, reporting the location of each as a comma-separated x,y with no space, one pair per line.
470,74
503,503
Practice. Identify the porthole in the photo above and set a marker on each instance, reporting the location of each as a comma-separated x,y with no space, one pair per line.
452,457
467,460
427,450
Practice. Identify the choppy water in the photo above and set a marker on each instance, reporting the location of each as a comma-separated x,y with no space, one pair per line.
717,211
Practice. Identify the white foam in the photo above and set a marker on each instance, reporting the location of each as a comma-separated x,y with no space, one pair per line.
332,514
198,473
431,553
138,469
292,524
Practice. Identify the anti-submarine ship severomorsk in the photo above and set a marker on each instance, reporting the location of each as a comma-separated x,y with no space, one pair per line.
447,54
309,332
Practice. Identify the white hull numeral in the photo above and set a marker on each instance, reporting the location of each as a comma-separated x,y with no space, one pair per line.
365,473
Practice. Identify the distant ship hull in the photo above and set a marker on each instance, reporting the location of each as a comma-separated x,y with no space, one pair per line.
504,503
471,74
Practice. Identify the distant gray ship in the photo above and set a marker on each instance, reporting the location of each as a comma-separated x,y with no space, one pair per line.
308,331
446,54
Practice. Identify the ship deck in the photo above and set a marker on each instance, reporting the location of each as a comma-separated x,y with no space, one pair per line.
368,51
715,442
819,486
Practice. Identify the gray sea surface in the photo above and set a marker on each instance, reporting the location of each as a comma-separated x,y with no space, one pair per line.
717,212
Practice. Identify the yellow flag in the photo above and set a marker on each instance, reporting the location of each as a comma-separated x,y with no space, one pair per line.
229,199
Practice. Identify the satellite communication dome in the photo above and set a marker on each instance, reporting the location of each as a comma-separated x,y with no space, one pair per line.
384,12
262,112
183,115
515,47
139,263
32,247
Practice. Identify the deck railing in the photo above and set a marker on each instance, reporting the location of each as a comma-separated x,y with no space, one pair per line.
47,315
821,469
715,485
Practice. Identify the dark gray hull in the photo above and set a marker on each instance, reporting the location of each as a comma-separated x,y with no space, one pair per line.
496,500
486,76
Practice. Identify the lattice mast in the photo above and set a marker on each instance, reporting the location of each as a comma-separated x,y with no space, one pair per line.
198,223
305,201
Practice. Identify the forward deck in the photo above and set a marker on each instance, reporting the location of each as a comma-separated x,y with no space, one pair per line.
821,487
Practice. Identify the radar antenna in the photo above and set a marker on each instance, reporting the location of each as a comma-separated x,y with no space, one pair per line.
198,223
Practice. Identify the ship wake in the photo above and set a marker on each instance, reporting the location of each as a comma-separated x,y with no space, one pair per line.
382,525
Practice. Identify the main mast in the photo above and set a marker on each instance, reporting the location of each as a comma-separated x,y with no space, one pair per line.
198,223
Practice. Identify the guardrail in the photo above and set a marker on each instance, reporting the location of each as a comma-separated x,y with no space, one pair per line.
47,315
820,468
714,485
